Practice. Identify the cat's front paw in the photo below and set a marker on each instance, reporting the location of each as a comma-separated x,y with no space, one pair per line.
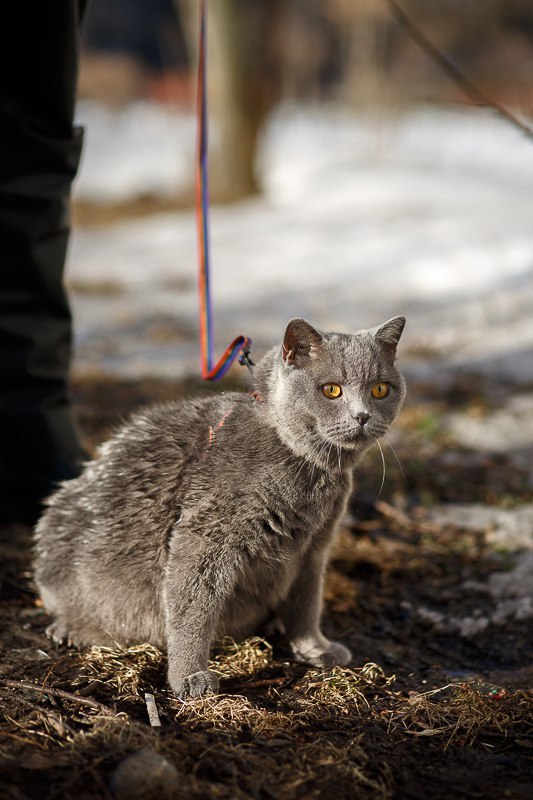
324,655
336,656
195,685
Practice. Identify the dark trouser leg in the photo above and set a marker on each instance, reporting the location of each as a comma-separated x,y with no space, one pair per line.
39,154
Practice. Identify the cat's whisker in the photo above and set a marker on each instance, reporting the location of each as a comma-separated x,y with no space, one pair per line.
328,457
320,453
396,457
315,461
306,461
313,467
333,445
400,437
396,434
302,465
327,453
384,469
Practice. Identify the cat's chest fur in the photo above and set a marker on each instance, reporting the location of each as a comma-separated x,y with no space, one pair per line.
243,471
271,507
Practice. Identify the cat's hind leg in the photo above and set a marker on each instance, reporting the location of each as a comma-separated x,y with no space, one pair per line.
70,625
79,634
58,631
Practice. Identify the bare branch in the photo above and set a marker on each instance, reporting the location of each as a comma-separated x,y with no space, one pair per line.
49,690
473,92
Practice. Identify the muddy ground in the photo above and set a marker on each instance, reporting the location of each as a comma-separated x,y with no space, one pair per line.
437,703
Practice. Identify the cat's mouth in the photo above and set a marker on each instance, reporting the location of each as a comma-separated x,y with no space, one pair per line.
352,439
358,436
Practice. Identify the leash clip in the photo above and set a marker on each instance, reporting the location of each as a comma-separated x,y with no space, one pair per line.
244,357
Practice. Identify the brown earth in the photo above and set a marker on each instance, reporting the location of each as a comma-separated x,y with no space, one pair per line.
421,713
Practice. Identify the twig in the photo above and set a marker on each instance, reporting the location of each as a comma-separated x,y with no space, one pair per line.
85,701
394,514
404,521
18,738
260,682
470,89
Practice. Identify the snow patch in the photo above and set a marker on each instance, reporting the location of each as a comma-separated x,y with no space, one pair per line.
426,214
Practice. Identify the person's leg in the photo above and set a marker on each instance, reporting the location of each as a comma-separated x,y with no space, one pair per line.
39,155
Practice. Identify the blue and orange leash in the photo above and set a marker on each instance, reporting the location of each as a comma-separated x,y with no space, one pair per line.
240,347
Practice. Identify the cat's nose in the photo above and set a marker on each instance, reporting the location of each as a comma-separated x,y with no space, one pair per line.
362,418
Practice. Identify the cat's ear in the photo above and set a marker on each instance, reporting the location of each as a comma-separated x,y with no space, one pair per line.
389,333
300,342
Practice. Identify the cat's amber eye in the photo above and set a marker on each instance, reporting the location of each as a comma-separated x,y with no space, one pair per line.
331,391
380,390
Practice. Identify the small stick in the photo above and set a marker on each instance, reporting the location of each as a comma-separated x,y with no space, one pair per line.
84,701
153,714
395,515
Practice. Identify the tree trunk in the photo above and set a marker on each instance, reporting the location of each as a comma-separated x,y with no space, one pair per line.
243,84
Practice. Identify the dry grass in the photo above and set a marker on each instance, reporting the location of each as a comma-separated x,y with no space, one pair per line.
236,660
279,739
466,713
278,705
124,672
278,730
288,735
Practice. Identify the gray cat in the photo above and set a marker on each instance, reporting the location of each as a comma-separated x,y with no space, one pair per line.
210,517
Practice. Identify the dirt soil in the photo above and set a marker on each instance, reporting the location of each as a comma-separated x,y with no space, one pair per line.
424,711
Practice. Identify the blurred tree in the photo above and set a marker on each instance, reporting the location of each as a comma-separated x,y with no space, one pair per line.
243,85
260,51
365,30
308,47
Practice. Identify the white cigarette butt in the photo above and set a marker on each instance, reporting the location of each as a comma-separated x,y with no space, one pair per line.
153,714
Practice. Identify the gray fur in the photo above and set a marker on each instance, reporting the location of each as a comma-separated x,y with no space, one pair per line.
205,518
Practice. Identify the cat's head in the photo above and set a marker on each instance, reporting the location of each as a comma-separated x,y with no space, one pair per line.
342,389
